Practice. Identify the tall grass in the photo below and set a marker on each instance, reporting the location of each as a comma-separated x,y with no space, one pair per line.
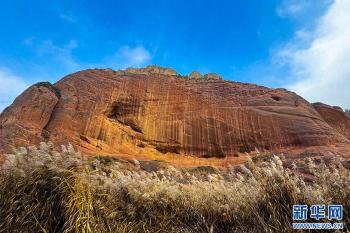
42,190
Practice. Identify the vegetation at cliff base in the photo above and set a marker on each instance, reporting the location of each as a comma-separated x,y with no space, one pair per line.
43,190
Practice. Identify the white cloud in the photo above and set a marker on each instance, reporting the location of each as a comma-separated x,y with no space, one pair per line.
290,8
129,57
11,86
135,56
320,66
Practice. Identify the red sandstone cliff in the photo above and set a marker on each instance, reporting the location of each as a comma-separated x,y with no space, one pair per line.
156,110
335,117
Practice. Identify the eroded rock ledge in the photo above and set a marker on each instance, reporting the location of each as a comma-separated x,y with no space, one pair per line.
149,70
198,76
157,70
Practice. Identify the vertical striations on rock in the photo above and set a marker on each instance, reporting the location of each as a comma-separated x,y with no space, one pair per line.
113,112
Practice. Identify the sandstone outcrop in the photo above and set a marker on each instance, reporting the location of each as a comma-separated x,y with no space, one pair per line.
335,117
155,109
195,75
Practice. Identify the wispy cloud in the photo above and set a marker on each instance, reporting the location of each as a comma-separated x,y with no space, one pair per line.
11,86
50,61
290,8
54,61
129,57
67,17
320,68
49,54
303,12
63,58
61,54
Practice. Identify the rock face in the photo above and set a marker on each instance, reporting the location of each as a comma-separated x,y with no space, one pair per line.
25,121
102,111
335,117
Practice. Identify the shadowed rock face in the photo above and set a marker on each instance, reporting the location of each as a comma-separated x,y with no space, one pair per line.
111,112
335,117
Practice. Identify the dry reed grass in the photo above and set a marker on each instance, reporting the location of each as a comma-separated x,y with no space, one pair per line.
42,190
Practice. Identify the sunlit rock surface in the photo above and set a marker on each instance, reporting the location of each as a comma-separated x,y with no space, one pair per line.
157,110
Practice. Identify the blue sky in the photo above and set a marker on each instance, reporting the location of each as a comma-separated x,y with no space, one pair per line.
303,45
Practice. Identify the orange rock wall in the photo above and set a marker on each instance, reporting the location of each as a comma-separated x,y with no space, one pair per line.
106,112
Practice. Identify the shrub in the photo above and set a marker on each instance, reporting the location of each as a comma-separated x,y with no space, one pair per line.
42,190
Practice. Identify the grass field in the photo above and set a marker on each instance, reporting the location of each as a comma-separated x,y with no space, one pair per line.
43,190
